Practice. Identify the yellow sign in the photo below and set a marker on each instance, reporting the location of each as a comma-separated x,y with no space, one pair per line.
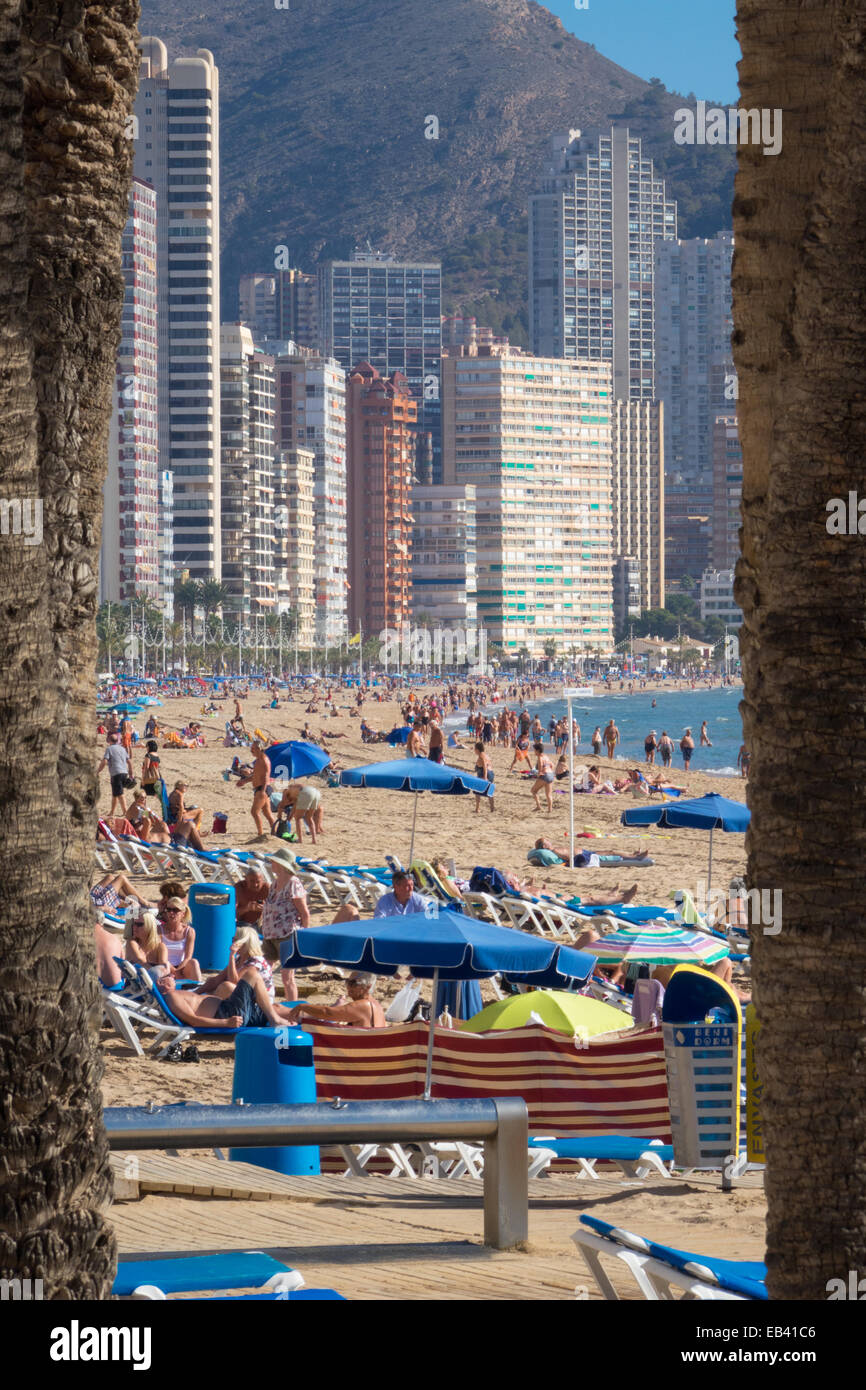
754,1091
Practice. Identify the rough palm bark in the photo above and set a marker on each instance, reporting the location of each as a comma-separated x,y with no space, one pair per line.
68,72
800,349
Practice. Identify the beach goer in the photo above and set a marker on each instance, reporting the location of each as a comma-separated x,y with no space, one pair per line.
178,936
245,951
178,811
744,758
172,888
360,1010
111,891
150,773
106,956
250,895
437,742
705,737
260,777
611,737
484,770
650,744
119,764
522,756
544,777
687,748
142,942
596,742
284,912
246,1005
666,748
402,899
304,803
146,825
415,742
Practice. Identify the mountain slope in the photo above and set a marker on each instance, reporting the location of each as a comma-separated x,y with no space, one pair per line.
323,115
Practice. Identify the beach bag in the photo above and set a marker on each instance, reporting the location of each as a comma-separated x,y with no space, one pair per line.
488,881
403,1003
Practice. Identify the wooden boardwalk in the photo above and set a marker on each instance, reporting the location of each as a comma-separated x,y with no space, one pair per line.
394,1238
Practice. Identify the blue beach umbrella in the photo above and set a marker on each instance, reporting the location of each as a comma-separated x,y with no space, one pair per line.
416,775
445,946
296,758
126,708
710,812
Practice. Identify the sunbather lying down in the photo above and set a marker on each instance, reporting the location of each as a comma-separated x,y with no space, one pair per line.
244,1005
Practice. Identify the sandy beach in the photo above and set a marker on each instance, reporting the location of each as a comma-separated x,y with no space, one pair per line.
362,826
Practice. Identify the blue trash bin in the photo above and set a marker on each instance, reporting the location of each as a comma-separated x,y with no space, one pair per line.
274,1066
213,919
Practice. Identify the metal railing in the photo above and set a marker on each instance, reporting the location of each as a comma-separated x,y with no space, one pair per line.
501,1125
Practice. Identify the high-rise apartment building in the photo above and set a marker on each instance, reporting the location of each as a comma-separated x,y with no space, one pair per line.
281,304
444,580
381,420
594,222
295,538
727,491
311,414
376,309
535,437
694,367
130,558
638,501
248,423
176,134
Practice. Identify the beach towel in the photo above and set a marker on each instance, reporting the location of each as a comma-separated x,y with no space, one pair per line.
488,881
543,858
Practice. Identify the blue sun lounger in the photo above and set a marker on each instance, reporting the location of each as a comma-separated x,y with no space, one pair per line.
242,1269
659,1270
636,1157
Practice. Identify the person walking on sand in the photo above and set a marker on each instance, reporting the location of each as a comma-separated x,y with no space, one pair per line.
484,770
705,737
687,748
544,777
119,765
611,737
743,760
596,742
666,748
650,745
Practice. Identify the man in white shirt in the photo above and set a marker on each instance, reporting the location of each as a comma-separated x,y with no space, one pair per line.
402,899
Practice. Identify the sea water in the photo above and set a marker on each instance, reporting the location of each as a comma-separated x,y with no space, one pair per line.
634,716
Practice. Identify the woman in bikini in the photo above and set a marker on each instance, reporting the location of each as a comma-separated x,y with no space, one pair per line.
544,777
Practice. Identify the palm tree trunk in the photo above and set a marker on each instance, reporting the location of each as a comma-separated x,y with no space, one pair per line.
67,78
800,350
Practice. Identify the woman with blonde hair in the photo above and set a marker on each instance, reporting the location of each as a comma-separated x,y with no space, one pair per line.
142,942
246,950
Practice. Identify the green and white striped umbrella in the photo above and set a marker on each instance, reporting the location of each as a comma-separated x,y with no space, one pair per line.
658,943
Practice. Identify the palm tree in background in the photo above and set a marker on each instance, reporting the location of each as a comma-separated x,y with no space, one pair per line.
68,75
800,350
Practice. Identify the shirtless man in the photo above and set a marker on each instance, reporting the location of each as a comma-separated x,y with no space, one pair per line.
611,737
360,1011
705,737
260,776
107,947
250,894
238,721
437,742
414,743
244,1005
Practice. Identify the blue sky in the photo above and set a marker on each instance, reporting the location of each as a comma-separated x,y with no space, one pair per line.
689,44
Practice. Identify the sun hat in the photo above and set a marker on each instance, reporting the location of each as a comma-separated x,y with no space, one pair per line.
284,856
